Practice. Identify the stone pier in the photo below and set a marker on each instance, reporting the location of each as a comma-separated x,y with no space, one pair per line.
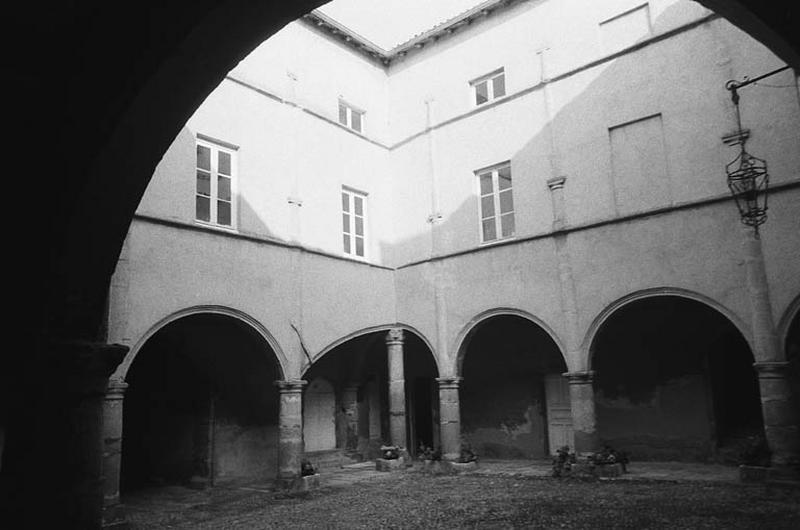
780,414
290,432
397,388
449,417
113,513
350,407
584,420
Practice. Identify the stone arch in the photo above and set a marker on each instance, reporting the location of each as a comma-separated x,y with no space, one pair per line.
514,400
468,330
279,357
366,331
610,309
673,377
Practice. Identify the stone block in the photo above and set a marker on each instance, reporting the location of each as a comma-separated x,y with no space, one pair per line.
461,467
753,473
608,470
297,485
395,464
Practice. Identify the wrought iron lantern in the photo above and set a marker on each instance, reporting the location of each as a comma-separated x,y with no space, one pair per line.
748,181
748,178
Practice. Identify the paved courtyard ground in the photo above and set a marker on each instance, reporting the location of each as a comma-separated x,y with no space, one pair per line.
497,495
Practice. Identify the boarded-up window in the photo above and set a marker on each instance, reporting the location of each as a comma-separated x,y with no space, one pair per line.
625,29
638,162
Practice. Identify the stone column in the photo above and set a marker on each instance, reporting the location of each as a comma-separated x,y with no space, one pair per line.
449,417
777,405
556,186
350,406
397,387
113,514
290,430
584,422
780,415
61,481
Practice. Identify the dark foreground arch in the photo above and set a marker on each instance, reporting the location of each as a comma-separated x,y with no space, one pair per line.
98,91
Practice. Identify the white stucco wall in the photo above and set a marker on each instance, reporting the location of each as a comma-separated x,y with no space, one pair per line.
286,150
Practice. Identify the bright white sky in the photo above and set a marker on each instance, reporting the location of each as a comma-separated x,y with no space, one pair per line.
388,23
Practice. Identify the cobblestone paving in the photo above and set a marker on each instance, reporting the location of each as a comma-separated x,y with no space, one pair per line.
497,495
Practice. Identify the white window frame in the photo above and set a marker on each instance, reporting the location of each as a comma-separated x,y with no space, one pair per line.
490,91
216,147
348,231
348,117
495,194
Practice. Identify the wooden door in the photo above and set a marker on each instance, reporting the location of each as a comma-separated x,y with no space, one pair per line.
319,416
559,412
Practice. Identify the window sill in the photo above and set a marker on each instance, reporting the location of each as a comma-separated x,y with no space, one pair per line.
214,226
498,241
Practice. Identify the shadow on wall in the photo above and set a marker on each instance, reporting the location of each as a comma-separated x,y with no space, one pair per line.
175,177
618,129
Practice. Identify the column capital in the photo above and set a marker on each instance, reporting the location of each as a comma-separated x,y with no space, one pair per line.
293,386
556,183
395,336
449,382
580,378
116,388
772,369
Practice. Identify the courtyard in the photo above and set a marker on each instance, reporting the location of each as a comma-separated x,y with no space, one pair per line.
500,494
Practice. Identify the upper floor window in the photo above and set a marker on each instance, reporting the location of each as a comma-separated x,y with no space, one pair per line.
351,117
496,202
488,87
354,214
216,166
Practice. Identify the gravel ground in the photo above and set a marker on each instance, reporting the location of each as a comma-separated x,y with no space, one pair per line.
415,500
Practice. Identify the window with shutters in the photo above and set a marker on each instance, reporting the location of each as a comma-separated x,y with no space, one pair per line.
496,202
214,184
354,221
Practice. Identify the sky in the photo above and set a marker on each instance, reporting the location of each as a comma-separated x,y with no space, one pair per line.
388,23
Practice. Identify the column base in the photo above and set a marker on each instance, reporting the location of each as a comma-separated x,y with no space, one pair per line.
297,485
394,464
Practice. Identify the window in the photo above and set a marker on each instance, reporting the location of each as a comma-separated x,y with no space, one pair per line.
496,203
353,222
215,184
351,117
489,87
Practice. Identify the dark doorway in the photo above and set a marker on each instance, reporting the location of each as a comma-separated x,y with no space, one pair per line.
358,372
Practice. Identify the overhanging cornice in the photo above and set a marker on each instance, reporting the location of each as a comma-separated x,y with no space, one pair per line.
385,58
